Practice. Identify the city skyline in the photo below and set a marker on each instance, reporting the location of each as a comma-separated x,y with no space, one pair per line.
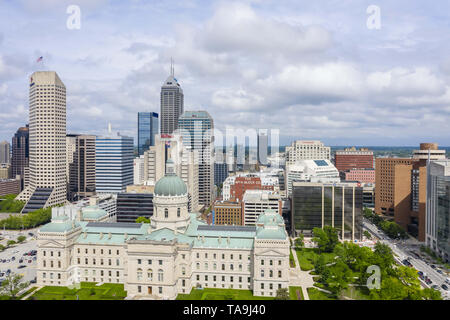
388,84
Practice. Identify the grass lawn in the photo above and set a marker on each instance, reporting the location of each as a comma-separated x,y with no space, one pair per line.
88,291
306,257
315,294
26,292
357,293
293,293
291,259
220,294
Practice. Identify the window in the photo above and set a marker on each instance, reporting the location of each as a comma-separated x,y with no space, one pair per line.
206,265
139,261
178,212
149,261
139,274
223,267
262,273
160,275
279,262
271,262
262,285
270,286
166,213
183,271
160,262
231,267
139,289
270,273
198,266
214,266
150,274
279,273
160,289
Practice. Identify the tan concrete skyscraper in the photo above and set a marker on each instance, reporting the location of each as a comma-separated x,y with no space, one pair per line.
47,142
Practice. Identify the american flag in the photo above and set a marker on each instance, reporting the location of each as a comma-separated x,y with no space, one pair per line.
40,59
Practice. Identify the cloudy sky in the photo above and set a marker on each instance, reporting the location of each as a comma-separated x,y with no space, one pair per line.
312,69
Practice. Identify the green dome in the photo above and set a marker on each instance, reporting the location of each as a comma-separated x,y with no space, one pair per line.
170,185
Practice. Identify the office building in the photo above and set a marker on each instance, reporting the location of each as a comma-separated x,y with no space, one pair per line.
172,104
169,256
359,175
148,127
47,143
256,202
306,150
312,171
20,153
185,160
5,153
368,195
131,206
263,144
80,166
139,169
197,127
114,163
315,205
228,213
220,173
401,188
9,186
5,171
351,158
438,208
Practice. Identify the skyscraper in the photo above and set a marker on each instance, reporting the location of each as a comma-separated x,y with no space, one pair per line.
113,163
262,147
196,127
306,150
5,152
47,141
20,152
148,127
81,167
172,104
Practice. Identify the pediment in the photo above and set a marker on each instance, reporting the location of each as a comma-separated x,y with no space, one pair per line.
51,244
270,252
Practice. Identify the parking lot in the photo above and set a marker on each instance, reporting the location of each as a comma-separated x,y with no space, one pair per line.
13,255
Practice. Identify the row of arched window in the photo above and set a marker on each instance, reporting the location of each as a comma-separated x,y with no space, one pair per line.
140,273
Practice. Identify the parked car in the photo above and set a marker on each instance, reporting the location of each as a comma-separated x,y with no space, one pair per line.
29,261
435,287
433,266
33,280
21,261
444,286
13,258
439,271
21,266
2,274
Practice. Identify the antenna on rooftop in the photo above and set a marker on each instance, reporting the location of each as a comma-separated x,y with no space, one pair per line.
172,69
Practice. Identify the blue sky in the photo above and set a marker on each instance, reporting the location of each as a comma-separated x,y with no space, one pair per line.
309,68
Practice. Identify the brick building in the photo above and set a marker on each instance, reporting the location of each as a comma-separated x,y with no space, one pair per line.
351,158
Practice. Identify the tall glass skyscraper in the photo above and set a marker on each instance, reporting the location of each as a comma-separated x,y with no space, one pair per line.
197,127
172,104
148,126
113,163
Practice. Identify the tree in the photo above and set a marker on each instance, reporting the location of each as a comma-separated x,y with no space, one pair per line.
431,294
383,257
142,220
282,294
10,242
299,241
340,277
367,234
12,285
326,238
2,247
21,239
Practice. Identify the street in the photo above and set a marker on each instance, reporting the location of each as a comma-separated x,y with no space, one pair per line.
404,250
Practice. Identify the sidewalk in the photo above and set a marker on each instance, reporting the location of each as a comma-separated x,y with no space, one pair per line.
300,278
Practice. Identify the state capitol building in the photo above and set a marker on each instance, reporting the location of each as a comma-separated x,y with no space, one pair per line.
171,255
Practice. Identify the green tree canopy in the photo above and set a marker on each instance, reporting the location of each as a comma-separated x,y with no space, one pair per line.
282,294
12,285
142,220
